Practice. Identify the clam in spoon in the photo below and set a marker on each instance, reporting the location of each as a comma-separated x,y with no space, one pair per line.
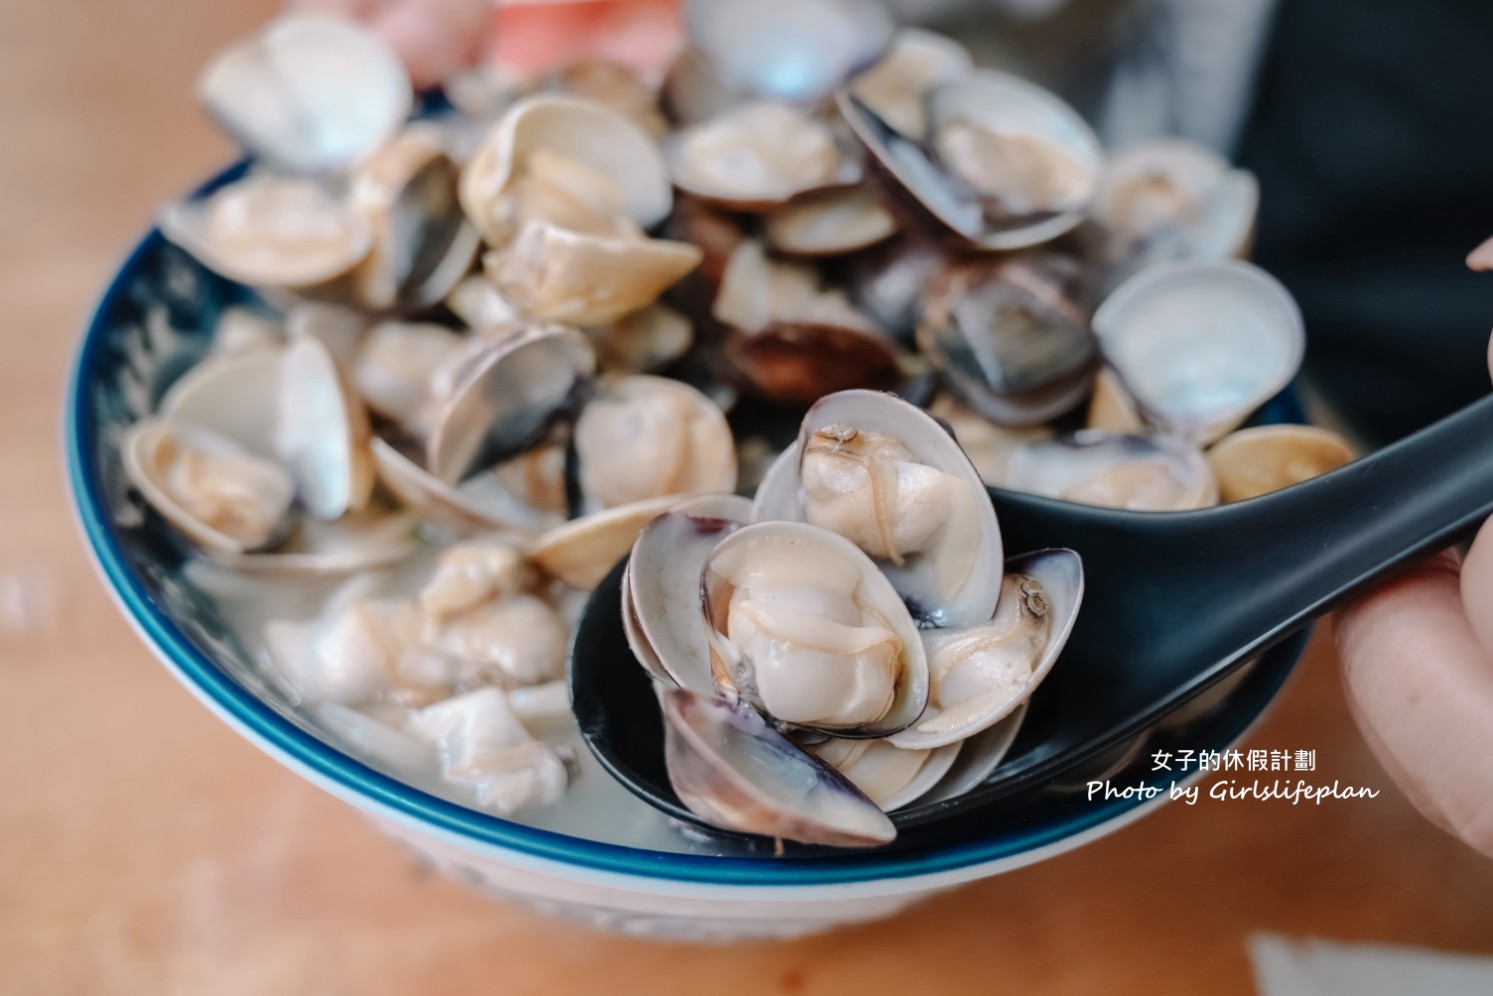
1175,602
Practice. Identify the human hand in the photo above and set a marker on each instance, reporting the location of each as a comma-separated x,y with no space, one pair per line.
1417,659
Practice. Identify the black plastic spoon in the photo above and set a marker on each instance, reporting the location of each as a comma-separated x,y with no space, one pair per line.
1174,602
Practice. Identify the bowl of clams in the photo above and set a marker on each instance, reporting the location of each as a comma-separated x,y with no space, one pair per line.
449,441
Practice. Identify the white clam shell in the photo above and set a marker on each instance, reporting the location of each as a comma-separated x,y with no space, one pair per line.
1060,574
735,771
274,232
577,129
1199,346
311,92
1174,198
661,593
1149,473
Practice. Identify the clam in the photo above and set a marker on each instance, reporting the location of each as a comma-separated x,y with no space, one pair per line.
221,496
310,93
1011,337
377,537
288,409
893,480
890,776
1111,409
242,330
980,674
1006,164
1198,346
1170,198
556,274
402,368
735,771
886,282
323,433
643,437
1266,458
988,446
507,396
505,399
897,87
596,162
788,337
581,552
828,222
644,340
804,627
275,232
1140,472
756,156
661,591
795,51
422,243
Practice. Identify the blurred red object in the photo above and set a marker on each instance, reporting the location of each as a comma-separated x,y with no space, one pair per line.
530,37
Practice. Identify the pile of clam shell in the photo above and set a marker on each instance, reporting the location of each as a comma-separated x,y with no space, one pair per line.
555,320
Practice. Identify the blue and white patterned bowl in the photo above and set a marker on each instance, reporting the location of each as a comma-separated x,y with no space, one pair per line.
150,326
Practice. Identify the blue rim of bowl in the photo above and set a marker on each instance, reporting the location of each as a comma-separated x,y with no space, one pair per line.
330,763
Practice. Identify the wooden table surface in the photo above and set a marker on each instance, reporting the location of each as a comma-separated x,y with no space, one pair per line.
145,848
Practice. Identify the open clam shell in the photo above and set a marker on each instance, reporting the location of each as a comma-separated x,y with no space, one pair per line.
479,504
757,156
1199,346
1032,161
978,756
275,232
661,589
790,339
1170,198
374,538
579,130
736,772
422,242
1011,337
795,51
957,580
1266,458
554,274
582,551
506,396
323,432
310,92
981,674
797,615
222,497
892,777
1149,473
1008,139
829,222
897,87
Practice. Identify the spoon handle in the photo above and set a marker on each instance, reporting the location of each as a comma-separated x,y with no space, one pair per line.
1352,527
